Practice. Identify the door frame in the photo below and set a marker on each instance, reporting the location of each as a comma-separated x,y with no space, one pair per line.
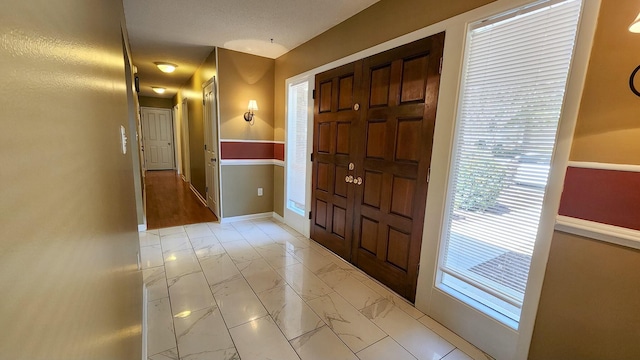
215,139
301,224
173,131
176,139
185,133
455,28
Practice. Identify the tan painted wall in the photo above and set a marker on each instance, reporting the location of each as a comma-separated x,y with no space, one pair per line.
240,189
192,90
608,128
278,190
245,77
68,244
162,103
589,303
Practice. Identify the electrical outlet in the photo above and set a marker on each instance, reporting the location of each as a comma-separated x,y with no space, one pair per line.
259,191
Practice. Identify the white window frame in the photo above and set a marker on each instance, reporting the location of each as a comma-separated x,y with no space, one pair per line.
300,223
446,233
448,107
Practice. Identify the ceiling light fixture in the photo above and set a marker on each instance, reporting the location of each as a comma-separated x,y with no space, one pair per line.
166,67
158,90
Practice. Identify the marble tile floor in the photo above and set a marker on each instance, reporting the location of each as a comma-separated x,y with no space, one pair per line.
259,290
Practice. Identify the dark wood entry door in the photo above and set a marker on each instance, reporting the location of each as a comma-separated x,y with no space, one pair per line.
334,142
390,142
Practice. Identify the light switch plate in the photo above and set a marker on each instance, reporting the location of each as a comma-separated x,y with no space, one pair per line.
123,139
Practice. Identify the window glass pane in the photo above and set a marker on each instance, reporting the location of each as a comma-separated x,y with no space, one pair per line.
514,80
297,146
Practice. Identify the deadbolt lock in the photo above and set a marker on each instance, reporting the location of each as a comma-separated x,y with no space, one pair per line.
356,107
352,166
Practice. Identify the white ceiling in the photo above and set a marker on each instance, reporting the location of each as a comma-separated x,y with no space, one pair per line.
185,32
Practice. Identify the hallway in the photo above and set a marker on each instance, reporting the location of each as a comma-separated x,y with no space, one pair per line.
259,290
170,201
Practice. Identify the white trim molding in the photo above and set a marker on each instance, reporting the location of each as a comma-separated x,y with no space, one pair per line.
604,166
231,219
278,217
598,231
142,227
242,162
202,200
252,141
145,321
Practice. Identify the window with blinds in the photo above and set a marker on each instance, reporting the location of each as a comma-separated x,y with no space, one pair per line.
513,85
297,155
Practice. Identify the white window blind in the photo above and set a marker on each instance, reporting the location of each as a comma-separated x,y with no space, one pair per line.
514,80
297,146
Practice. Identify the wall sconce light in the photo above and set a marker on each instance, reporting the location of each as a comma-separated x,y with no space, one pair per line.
166,67
634,28
248,116
635,25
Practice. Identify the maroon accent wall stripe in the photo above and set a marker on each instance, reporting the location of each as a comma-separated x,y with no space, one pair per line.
278,151
606,196
235,150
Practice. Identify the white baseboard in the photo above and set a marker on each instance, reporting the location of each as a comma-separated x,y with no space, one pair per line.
202,200
142,227
278,217
247,217
145,317
603,232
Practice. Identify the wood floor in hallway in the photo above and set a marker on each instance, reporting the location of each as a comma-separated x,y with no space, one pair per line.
170,201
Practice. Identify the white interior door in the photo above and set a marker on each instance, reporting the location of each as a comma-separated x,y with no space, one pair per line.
157,127
211,147
298,150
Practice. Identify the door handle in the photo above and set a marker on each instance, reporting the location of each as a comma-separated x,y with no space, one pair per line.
358,181
348,179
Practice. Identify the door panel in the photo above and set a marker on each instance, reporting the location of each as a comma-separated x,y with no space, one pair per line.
397,123
333,146
157,127
373,214
211,148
